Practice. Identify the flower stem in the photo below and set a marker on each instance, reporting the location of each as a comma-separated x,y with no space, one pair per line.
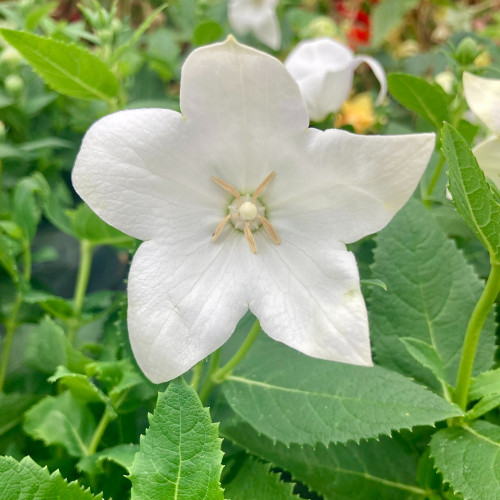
195,379
99,432
434,178
82,281
473,333
11,322
217,376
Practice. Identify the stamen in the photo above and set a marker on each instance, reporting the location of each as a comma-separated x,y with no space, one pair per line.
263,185
226,186
269,229
250,238
220,227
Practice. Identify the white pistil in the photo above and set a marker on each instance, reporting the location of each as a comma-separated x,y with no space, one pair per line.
247,213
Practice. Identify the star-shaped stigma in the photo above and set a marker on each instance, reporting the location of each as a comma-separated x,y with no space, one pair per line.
246,212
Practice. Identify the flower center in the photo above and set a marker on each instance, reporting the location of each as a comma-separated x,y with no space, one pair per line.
246,213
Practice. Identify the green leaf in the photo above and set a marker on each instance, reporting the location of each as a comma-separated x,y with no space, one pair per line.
472,196
9,250
382,469
307,401
427,100
80,386
87,225
122,454
485,384
254,480
26,205
207,32
180,455
388,15
13,406
486,404
432,292
61,420
27,480
67,68
469,459
46,347
426,355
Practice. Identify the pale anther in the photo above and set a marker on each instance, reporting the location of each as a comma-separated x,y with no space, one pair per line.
269,229
220,227
263,185
250,238
226,186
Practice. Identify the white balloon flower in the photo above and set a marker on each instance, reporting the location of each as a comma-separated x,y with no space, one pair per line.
483,97
258,17
324,70
242,206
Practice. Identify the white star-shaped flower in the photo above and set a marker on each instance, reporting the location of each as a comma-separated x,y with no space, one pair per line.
242,206
324,70
258,17
483,97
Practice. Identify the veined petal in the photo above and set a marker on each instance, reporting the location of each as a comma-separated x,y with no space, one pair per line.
483,97
488,156
306,294
138,170
378,71
184,301
351,185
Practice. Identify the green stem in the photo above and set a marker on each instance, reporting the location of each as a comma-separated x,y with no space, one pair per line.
195,379
473,333
209,383
82,281
99,432
11,322
219,375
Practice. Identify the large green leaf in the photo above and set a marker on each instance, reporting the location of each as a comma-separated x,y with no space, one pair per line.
387,16
254,480
27,480
384,469
180,455
425,99
471,193
431,292
304,400
67,68
469,459
61,420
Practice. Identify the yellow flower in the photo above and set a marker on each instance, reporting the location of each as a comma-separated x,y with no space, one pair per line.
358,112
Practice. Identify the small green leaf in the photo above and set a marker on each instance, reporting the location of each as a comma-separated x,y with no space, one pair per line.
80,386
307,401
27,480
431,293
67,68
207,32
469,459
9,250
26,203
485,384
427,100
472,196
387,16
426,355
122,454
61,420
254,480
486,404
378,283
180,455
46,347
87,225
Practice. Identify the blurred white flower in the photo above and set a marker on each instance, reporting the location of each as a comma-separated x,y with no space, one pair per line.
243,207
324,70
483,97
258,17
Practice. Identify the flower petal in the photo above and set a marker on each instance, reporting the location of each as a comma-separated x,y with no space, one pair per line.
243,104
184,301
307,295
378,71
350,186
139,172
483,97
488,156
